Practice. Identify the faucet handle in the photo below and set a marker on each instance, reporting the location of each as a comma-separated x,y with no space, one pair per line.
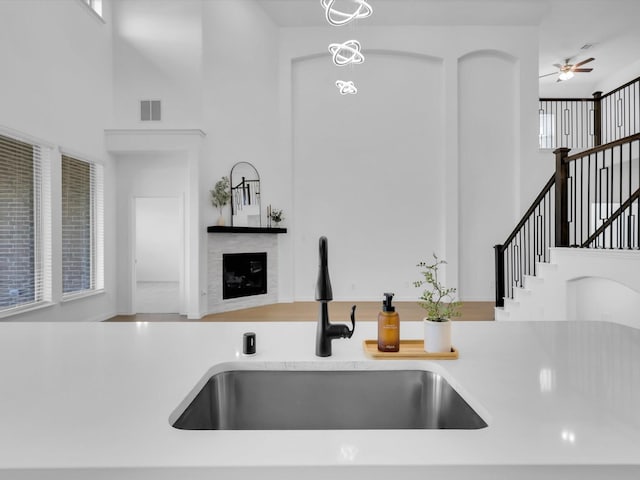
353,321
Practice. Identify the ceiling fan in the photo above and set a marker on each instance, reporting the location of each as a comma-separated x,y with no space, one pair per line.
567,70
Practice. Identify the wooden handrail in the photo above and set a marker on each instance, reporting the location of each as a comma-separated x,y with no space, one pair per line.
530,211
566,99
614,216
600,148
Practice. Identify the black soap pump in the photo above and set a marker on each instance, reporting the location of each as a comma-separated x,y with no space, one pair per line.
388,326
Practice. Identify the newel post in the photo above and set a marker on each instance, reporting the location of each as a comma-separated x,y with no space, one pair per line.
499,275
562,197
597,119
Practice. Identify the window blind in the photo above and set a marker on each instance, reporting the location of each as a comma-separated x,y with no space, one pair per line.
82,226
25,222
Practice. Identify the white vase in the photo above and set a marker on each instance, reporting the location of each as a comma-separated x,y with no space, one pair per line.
437,336
220,222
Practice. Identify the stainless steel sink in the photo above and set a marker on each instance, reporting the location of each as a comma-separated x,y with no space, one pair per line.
320,399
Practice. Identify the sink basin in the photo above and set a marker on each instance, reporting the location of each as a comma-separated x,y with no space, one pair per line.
327,399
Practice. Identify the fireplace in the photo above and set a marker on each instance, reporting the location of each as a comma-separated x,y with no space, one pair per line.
220,244
244,274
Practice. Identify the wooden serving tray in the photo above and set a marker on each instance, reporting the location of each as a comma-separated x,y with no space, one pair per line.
409,350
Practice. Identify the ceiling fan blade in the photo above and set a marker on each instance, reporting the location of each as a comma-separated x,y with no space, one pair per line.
557,65
548,74
579,64
582,69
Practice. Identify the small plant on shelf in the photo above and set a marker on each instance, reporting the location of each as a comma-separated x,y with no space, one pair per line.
220,194
436,299
276,215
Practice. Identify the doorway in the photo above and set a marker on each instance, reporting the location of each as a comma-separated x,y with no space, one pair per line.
159,255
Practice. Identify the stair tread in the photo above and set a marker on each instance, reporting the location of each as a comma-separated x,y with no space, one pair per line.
521,292
511,302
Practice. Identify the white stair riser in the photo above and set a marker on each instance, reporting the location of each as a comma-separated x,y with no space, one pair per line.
549,294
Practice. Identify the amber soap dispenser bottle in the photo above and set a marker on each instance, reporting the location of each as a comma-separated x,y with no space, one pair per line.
388,326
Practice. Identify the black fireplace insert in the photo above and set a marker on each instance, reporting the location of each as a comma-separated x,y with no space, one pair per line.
244,274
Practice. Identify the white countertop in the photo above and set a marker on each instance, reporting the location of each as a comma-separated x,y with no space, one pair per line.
559,398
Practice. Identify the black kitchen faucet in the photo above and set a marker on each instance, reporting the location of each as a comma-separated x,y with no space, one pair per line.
326,331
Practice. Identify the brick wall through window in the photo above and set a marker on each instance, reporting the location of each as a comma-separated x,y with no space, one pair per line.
17,235
76,225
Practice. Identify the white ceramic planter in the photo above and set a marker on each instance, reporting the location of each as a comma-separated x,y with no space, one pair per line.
437,336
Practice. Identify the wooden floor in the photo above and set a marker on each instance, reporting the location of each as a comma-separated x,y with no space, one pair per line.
308,311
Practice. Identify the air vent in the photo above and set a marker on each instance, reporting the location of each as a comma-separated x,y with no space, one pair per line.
150,110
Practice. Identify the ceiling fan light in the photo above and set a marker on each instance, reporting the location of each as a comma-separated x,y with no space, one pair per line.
568,75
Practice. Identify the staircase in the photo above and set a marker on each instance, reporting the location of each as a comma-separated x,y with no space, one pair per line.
587,284
583,225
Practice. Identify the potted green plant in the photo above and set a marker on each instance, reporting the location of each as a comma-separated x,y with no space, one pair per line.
220,196
276,216
439,302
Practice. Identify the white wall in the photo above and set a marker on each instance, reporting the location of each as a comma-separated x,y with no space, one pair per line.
301,94
56,86
368,173
158,238
158,56
487,167
240,95
56,80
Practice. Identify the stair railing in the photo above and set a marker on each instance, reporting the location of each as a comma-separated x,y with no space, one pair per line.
600,188
591,201
526,245
628,208
582,123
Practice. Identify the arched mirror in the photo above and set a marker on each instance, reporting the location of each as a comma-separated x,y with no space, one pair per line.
245,196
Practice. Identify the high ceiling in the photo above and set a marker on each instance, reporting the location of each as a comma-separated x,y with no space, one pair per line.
607,29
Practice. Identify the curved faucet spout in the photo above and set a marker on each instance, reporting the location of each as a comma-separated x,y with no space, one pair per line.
323,285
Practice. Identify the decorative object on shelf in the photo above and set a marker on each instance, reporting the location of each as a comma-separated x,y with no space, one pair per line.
247,230
338,18
245,196
220,196
439,302
347,53
275,216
